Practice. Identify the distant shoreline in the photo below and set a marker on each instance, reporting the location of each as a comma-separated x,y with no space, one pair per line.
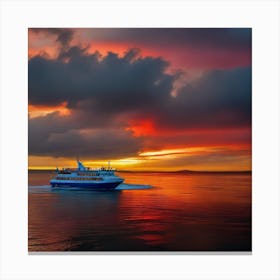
154,171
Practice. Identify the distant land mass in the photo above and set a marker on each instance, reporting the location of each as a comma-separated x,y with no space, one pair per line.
186,171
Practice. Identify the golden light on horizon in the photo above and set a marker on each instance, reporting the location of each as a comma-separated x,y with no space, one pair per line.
173,151
191,158
116,162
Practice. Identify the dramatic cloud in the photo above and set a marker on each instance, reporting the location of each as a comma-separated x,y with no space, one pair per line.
120,105
113,82
63,35
193,49
217,99
88,144
203,38
140,88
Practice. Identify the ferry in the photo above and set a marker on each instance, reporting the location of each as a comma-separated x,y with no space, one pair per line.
84,177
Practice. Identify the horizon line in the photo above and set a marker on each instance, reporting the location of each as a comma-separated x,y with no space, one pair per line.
162,171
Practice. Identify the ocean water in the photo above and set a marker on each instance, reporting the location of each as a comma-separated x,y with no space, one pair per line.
150,212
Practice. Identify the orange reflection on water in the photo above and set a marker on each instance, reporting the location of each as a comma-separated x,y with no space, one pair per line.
181,212
202,209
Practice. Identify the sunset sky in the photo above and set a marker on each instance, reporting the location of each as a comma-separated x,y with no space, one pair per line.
145,99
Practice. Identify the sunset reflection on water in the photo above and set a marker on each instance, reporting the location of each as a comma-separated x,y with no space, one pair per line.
181,212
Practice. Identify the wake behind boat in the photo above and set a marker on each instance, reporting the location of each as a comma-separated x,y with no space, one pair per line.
84,177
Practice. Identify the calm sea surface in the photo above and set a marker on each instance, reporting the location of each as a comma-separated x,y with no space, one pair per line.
150,212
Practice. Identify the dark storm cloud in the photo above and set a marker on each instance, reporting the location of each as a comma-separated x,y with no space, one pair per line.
48,136
63,35
217,99
203,38
106,93
112,83
98,92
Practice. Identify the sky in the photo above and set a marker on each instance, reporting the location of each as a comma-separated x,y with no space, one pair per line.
161,99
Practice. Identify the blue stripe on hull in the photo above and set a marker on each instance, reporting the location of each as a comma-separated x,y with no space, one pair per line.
105,186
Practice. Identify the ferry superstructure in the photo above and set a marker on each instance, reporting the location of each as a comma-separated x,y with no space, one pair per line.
83,177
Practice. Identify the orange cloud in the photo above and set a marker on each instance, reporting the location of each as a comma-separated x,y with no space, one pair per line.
50,52
103,47
39,111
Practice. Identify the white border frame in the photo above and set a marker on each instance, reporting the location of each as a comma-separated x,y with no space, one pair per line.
262,16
